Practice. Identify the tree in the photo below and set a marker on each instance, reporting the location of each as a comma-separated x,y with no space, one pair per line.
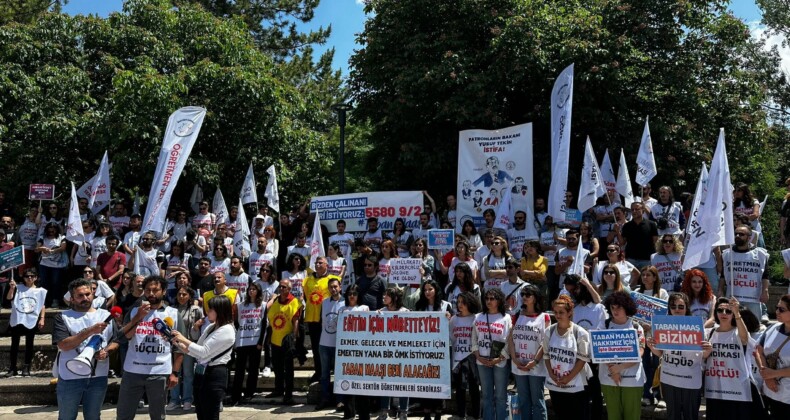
25,11
75,86
430,68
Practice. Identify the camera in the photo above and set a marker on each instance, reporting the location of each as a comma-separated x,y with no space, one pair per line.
662,223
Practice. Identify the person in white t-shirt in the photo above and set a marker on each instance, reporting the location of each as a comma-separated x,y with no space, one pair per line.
526,353
27,317
74,330
667,260
489,345
151,366
774,352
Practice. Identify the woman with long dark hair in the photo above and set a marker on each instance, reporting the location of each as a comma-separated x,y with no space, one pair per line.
745,204
526,353
219,259
469,231
53,262
489,345
493,271
463,281
681,370
268,284
465,375
431,301
401,237
650,283
27,317
249,343
188,314
212,352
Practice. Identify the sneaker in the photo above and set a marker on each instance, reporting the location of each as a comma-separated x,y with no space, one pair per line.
11,373
187,406
382,416
172,406
26,370
267,372
140,404
661,404
646,402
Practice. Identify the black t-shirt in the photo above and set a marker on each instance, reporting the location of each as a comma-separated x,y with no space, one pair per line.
639,239
371,291
785,212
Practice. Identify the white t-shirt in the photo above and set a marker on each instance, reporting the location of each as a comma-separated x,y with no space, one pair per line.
591,316
672,213
461,337
375,240
81,254
630,377
384,269
98,247
257,260
487,329
682,369
119,223
727,369
452,295
131,239
662,293
27,305
624,267
342,241
772,340
239,282
330,309
267,288
455,261
222,265
528,333
703,309
747,269
547,239
512,293
562,353
150,352
563,256
669,270
55,259
516,240
200,219
250,323
28,235
296,282
74,322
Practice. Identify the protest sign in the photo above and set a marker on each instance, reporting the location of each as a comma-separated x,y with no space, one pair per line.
615,346
647,306
42,192
489,163
441,239
405,272
14,257
356,208
678,332
393,354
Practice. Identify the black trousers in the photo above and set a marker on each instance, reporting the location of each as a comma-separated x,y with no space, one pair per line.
283,367
247,358
314,329
17,332
210,391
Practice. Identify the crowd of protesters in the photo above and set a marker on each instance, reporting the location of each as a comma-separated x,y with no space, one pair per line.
172,311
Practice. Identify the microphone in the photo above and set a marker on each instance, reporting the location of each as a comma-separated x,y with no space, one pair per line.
169,321
114,311
163,328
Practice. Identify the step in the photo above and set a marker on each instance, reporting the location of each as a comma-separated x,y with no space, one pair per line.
38,389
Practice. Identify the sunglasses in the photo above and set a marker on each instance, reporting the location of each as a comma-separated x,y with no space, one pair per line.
88,271
780,310
349,294
678,307
611,250
30,276
497,243
723,311
606,273
667,241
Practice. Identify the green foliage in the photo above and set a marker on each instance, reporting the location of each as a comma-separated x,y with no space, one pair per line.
26,11
429,68
75,86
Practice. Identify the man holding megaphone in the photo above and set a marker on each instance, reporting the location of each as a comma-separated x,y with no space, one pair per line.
82,334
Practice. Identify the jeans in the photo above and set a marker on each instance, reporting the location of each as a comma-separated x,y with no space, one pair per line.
49,278
649,364
530,397
182,393
493,386
403,404
90,392
249,358
327,364
133,386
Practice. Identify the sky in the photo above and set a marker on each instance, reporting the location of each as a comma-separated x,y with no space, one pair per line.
347,19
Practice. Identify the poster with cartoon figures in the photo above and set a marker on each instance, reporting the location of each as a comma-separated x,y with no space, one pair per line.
489,163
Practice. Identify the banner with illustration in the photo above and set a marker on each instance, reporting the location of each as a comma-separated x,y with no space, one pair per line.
356,208
648,306
393,354
489,163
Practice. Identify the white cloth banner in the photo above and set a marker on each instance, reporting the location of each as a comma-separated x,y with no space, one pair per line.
85,191
248,191
100,190
607,174
561,107
577,265
316,242
591,186
623,186
182,131
136,204
196,198
219,208
145,264
271,193
74,232
699,192
645,160
490,163
504,213
707,229
241,238
356,208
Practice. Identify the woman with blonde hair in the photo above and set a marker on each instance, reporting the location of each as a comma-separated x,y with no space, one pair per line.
668,260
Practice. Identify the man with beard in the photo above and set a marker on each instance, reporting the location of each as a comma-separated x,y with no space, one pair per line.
151,367
517,235
540,213
371,285
237,278
421,232
451,210
489,215
743,271
202,279
373,237
73,330
639,237
119,220
132,237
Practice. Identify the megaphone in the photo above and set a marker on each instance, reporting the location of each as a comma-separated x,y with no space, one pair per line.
82,365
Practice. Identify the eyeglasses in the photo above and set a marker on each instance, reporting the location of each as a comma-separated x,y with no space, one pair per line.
677,306
606,273
780,310
723,311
